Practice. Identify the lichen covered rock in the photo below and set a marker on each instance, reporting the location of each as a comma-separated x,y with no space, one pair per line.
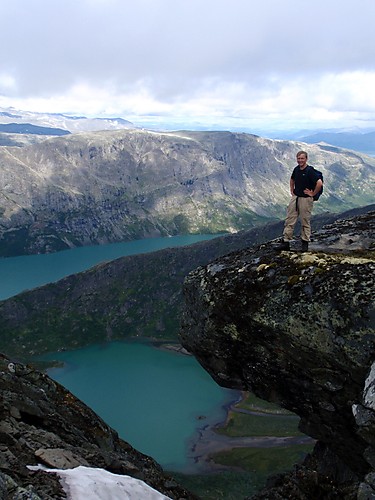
298,329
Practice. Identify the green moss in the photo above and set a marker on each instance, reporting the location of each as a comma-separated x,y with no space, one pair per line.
293,280
263,461
231,330
225,485
243,424
251,402
319,270
257,465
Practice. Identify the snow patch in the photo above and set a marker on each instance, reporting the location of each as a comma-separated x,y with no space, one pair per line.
83,483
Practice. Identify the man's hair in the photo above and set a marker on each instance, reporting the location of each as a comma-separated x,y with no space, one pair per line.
302,153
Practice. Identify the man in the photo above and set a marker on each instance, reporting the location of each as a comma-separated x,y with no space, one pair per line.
304,185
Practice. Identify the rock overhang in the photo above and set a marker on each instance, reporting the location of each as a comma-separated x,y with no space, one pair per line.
295,328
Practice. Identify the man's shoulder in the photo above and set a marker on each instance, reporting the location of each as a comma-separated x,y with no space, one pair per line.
295,170
310,170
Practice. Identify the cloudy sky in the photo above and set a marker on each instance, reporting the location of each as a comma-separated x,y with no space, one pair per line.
233,64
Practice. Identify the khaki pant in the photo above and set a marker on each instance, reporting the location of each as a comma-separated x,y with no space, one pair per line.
302,208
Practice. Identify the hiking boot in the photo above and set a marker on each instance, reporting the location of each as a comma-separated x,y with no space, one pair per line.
305,246
284,245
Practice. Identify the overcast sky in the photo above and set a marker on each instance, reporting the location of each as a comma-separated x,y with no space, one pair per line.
261,64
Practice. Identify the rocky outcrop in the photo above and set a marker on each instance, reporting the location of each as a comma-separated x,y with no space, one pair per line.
43,423
298,329
100,187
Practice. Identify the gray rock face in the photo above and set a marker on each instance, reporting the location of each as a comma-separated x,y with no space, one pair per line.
100,187
43,423
299,329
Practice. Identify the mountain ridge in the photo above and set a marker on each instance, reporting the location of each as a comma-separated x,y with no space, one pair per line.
364,142
108,186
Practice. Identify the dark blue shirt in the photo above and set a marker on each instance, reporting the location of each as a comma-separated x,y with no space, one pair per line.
303,179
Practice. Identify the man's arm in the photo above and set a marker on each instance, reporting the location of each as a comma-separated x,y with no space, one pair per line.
291,186
312,192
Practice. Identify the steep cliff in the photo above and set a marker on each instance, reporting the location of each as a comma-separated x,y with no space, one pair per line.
43,423
100,187
299,330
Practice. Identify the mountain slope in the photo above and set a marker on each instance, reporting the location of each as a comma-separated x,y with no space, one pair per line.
120,185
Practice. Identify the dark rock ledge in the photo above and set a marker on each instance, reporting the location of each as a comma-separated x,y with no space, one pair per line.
43,423
298,329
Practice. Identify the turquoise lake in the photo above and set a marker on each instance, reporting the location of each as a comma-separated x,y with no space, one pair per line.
29,271
154,399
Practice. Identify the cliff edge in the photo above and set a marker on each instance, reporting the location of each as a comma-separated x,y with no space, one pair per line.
298,329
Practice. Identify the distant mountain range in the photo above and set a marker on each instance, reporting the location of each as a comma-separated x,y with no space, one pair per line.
27,122
70,180
70,123
348,140
29,128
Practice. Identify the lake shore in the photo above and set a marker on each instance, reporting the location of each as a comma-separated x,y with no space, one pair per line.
208,442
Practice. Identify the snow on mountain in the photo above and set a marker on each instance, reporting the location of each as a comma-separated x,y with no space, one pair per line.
67,122
82,483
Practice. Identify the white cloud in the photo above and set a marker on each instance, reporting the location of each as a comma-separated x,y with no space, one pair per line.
7,83
199,59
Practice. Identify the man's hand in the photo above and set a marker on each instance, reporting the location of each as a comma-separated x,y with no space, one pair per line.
309,192
312,192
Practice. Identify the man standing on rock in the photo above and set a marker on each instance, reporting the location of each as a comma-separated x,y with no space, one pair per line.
304,185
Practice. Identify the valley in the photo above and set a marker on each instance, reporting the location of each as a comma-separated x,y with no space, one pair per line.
95,188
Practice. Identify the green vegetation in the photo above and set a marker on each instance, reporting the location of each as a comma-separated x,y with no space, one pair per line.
242,424
254,417
251,402
257,464
244,471
225,485
263,461
13,243
182,224
265,419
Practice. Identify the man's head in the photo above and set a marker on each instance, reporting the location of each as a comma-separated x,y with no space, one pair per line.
302,159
